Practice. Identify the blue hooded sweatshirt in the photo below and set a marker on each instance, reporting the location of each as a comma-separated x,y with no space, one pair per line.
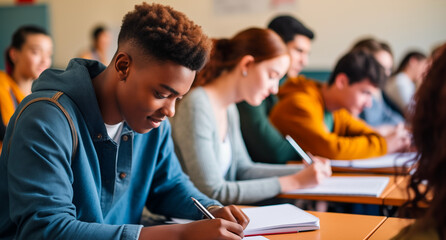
46,193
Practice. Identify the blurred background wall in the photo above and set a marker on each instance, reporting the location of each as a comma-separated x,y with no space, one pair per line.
404,24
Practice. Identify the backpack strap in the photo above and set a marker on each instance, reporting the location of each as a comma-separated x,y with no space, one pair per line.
54,99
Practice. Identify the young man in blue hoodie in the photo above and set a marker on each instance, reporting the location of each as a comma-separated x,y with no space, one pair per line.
90,148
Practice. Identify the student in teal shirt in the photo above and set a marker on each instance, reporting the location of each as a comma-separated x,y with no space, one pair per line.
51,188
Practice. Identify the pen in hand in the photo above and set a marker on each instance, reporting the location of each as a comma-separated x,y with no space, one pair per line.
202,209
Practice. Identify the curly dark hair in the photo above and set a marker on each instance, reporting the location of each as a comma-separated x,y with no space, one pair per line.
166,34
429,132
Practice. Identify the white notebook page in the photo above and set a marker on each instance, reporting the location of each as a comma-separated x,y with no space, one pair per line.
347,186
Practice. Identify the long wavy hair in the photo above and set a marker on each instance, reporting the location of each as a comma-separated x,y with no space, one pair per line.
429,132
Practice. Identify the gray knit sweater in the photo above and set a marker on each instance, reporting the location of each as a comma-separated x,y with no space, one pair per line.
197,144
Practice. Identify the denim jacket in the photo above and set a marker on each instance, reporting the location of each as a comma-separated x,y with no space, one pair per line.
101,192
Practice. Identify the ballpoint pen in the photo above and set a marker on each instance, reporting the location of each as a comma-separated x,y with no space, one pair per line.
202,209
306,157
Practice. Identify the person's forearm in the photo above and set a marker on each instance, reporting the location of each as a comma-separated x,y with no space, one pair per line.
289,183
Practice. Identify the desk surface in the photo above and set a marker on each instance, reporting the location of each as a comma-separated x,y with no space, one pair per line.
399,195
390,228
393,182
337,226
389,170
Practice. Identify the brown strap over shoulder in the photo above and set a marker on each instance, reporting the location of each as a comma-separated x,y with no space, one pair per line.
54,100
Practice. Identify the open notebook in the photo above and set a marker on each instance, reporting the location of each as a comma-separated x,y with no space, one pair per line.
275,219
347,186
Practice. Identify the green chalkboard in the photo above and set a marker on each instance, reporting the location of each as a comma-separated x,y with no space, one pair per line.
13,17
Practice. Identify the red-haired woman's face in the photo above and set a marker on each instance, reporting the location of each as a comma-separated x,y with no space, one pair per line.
263,79
34,56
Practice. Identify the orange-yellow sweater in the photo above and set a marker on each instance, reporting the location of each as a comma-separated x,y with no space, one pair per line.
300,114
8,92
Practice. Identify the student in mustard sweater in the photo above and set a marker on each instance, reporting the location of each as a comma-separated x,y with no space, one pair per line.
319,116
26,58
429,134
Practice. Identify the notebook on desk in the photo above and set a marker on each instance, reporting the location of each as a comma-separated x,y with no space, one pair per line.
275,219
347,186
387,163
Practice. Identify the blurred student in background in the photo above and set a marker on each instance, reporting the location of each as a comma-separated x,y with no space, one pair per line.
321,116
407,78
206,127
101,42
381,115
429,132
27,57
263,141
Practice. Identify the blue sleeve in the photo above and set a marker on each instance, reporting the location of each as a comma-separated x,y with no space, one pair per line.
40,179
172,189
380,113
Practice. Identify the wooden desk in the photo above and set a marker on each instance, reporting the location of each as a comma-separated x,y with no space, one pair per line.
337,226
388,171
393,182
390,228
398,195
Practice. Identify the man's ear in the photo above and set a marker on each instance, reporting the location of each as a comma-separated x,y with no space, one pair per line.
341,81
244,64
12,52
122,65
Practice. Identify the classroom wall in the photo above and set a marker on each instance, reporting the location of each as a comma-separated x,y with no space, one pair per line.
404,24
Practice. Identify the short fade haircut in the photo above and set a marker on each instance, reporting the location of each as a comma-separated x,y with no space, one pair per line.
359,66
165,34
